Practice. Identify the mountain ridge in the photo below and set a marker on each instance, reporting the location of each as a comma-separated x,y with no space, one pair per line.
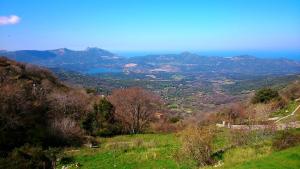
185,62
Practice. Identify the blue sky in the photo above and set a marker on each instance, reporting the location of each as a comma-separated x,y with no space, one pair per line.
151,25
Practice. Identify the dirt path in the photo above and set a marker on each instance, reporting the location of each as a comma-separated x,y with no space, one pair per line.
293,113
279,126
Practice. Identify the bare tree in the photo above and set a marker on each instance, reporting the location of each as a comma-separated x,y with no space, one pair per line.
72,103
66,129
135,108
235,113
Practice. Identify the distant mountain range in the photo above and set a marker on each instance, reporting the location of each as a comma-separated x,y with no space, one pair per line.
66,58
96,60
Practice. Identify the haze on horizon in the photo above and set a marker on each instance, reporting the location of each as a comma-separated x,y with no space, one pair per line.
144,25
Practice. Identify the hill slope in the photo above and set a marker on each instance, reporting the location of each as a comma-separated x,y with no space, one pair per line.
32,102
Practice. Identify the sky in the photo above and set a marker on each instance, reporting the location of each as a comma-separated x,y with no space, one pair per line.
152,25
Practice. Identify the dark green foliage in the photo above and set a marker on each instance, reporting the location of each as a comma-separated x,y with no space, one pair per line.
28,157
90,90
249,83
265,95
89,123
175,119
104,110
101,120
66,160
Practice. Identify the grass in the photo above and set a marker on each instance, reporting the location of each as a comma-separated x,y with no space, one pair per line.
296,117
286,110
261,158
286,159
173,106
132,151
138,151
159,151
243,154
222,139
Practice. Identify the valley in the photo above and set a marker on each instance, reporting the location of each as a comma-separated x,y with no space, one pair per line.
83,117
190,83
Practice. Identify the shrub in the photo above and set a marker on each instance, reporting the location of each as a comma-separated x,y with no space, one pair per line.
197,145
110,130
285,140
175,119
265,95
90,90
73,103
240,136
245,136
66,160
28,157
22,115
101,120
64,131
89,123
164,126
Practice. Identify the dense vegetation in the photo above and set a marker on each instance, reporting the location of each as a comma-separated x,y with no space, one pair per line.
164,151
36,110
265,95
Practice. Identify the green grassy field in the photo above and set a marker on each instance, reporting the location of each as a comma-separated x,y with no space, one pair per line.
261,156
158,151
131,151
286,159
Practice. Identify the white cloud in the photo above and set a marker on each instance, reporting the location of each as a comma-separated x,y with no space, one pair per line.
9,20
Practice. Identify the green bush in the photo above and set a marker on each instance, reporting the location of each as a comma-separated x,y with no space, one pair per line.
174,119
28,157
265,95
66,160
101,121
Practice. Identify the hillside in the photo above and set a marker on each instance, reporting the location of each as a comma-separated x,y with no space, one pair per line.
15,72
37,112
